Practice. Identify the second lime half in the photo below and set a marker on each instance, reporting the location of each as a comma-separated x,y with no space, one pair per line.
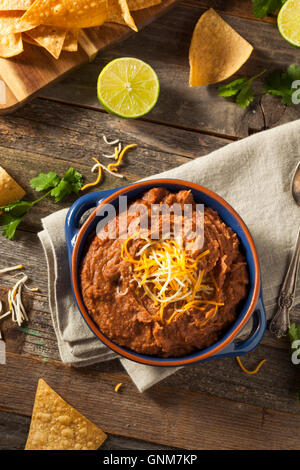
128,87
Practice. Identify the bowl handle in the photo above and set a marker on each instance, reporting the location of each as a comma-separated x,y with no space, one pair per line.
237,348
76,211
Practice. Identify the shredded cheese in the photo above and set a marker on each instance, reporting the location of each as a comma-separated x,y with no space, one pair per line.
113,155
89,185
118,386
250,372
112,142
12,268
16,308
119,157
169,275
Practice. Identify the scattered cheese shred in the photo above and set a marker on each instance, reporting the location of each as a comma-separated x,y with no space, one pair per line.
170,276
89,185
12,268
250,372
106,169
119,157
14,296
112,142
117,387
113,155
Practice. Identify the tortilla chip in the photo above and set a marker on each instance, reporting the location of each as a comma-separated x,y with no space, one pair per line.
10,190
10,45
135,5
217,51
29,40
67,13
71,41
10,22
56,425
118,12
10,5
51,39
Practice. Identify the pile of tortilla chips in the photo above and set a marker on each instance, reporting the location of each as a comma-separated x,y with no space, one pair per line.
55,25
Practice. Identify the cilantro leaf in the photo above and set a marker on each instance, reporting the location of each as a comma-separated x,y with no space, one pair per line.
245,96
9,224
294,332
232,88
45,181
279,83
13,213
70,183
262,8
12,216
241,88
17,208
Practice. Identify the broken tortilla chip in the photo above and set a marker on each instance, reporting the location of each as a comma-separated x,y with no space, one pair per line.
71,41
217,51
67,13
9,5
135,5
10,45
50,38
56,425
10,190
118,12
10,22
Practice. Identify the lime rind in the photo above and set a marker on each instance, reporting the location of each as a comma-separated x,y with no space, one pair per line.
289,22
128,87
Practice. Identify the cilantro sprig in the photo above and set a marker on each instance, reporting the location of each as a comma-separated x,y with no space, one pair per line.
279,83
241,89
57,187
262,8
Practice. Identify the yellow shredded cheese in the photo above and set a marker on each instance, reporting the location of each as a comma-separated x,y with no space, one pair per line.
89,185
250,372
169,275
117,387
119,157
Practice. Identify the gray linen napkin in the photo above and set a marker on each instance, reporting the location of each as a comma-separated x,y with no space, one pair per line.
254,176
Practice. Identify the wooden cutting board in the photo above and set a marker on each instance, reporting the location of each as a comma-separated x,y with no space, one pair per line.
24,76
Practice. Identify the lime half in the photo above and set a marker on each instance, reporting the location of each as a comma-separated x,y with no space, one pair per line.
289,22
128,87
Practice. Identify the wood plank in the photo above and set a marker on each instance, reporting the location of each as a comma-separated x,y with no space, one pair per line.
14,430
28,73
199,108
75,134
189,420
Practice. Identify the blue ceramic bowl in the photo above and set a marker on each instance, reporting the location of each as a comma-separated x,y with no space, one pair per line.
227,346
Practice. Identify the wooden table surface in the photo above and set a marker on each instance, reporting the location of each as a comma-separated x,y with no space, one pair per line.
208,406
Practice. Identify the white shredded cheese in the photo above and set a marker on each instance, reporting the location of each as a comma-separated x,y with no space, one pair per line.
12,268
118,175
112,142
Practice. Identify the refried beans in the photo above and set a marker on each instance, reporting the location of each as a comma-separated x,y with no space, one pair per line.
128,315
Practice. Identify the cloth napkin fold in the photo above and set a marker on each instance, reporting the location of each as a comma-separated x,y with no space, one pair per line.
254,176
